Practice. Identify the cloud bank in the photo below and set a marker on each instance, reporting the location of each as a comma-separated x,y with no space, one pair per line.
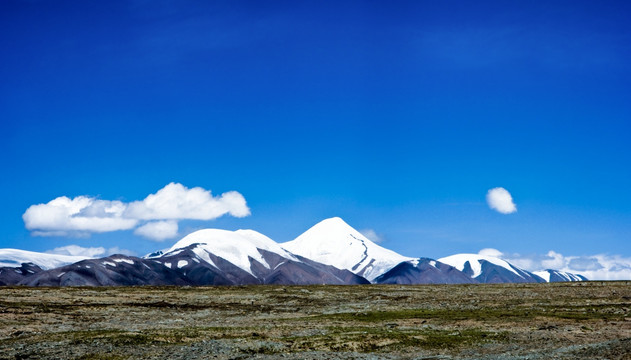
593,267
83,215
500,200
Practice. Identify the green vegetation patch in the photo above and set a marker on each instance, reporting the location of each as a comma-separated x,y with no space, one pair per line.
516,314
369,339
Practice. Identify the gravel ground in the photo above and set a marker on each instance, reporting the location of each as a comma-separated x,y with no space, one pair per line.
587,320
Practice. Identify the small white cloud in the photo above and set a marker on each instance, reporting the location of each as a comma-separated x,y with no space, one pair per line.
176,201
371,235
158,230
491,252
500,200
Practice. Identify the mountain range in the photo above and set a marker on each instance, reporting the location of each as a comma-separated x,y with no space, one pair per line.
331,252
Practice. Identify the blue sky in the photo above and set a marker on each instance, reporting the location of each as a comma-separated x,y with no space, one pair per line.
396,116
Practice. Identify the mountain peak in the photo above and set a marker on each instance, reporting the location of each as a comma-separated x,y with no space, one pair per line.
460,260
330,226
489,269
333,242
237,247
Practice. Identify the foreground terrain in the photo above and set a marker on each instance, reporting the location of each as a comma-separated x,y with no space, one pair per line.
588,320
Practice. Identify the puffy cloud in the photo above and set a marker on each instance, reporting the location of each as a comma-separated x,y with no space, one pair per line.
176,201
593,267
552,260
92,252
83,215
500,200
158,230
371,235
65,216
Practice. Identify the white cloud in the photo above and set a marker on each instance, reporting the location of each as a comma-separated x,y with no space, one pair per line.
176,201
158,230
500,200
593,267
92,252
491,252
371,235
76,250
65,216
83,215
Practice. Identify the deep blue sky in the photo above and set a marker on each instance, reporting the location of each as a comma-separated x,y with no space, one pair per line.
396,116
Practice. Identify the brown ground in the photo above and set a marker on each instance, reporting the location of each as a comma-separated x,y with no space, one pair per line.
589,320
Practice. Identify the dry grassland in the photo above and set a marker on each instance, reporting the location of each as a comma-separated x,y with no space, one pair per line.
588,320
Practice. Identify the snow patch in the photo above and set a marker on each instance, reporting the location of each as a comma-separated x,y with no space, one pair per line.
204,255
173,253
108,263
545,275
167,264
130,262
181,264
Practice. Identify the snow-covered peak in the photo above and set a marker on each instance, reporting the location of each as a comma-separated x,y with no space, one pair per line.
236,247
556,275
334,242
475,262
15,258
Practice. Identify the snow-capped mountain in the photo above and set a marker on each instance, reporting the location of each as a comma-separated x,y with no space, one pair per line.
114,270
334,242
550,275
213,256
237,247
15,258
489,269
331,252
423,271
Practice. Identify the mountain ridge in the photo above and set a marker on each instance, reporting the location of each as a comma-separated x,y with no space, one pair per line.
330,252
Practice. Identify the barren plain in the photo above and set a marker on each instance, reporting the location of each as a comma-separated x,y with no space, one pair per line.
585,320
